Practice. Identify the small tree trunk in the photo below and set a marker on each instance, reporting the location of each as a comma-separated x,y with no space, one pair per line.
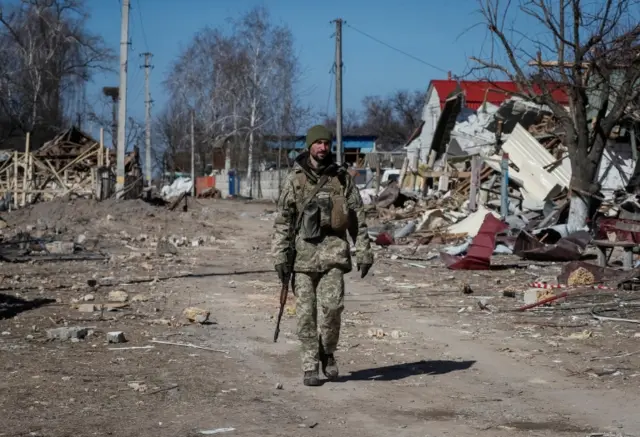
583,173
252,123
578,211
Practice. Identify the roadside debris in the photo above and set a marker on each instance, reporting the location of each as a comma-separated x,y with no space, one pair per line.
216,431
581,276
496,186
191,345
118,296
196,315
116,337
68,333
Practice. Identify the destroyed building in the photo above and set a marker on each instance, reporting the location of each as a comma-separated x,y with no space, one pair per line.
71,163
486,173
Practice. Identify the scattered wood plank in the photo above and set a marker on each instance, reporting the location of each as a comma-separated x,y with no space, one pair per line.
191,345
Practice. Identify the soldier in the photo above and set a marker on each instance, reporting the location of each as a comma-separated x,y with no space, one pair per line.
319,204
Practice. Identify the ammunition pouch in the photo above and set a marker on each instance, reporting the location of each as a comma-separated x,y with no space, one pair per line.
339,213
324,212
310,221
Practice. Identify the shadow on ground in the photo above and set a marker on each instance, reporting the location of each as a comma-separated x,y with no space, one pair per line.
405,370
11,306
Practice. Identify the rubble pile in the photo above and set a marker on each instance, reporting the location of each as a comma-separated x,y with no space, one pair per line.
514,149
91,230
497,182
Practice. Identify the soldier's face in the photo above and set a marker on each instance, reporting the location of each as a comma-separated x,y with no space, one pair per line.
320,149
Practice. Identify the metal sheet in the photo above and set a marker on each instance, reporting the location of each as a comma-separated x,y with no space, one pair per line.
531,158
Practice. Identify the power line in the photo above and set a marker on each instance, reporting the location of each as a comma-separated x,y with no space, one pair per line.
144,34
332,71
397,49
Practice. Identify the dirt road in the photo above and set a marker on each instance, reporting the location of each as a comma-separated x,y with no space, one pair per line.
417,359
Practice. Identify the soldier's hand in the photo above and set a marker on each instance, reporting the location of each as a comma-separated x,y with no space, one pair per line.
284,272
363,269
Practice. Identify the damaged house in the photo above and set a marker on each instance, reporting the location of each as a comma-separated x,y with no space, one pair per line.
70,163
489,171
463,119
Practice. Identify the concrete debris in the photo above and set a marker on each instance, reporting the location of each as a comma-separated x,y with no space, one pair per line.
138,386
376,332
60,248
116,337
178,241
165,247
140,298
67,333
86,308
196,315
118,296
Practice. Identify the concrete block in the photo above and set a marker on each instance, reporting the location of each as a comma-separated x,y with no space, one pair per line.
67,333
116,337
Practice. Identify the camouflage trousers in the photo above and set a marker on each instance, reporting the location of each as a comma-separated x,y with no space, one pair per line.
319,306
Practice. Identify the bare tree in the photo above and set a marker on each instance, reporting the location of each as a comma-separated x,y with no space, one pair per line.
101,116
202,81
240,86
595,50
269,52
392,119
289,115
47,56
169,138
351,123
407,107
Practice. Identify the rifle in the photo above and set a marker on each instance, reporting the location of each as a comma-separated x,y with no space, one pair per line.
284,291
283,300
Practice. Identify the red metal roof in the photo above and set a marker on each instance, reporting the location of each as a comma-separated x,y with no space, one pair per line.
475,92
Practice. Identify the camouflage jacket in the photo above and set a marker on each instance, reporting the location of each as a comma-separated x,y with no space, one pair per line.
333,249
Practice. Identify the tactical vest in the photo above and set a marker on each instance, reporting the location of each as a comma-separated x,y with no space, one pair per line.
326,212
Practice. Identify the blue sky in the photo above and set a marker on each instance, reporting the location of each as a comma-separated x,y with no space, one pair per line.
429,30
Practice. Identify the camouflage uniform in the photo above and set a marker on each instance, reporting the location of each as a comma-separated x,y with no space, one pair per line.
319,266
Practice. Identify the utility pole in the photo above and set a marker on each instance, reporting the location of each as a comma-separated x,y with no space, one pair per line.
339,146
147,103
122,107
193,156
113,92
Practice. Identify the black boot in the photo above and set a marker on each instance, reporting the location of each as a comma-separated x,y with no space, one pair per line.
330,367
328,361
311,378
